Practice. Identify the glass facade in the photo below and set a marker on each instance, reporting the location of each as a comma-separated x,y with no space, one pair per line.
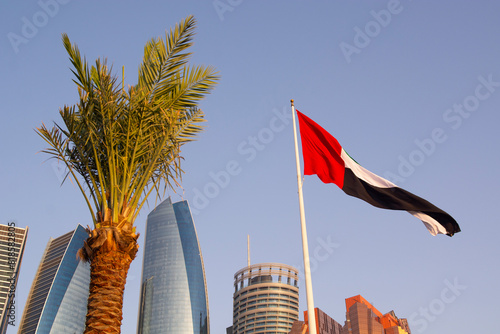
173,293
12,243
57,302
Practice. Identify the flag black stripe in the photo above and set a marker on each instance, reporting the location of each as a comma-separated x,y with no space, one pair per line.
396,199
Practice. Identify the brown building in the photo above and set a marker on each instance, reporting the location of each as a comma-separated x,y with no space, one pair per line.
299,327
404,324
363,318
324,324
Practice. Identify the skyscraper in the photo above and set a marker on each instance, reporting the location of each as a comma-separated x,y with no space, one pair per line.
57,302
266,299
12,242
174,295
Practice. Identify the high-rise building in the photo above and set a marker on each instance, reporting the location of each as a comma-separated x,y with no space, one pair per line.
57,302
266,299
174,295
363,318
12,242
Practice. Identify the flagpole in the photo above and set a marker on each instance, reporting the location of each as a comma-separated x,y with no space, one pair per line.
305,247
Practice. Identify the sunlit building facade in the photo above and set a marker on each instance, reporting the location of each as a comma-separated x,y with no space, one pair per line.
324,323
363,318
12,244
57,302
174,295
266,299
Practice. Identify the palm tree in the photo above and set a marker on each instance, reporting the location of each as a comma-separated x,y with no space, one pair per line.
119,146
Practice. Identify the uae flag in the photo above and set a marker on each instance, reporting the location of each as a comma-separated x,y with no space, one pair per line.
324,157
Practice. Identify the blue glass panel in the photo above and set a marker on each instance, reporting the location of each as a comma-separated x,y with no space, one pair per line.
76,302
173,298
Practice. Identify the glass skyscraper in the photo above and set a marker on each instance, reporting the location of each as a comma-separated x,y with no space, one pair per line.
12,242
57,302
173,294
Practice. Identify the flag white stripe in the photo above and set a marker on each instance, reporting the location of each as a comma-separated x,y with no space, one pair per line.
432,225
365,174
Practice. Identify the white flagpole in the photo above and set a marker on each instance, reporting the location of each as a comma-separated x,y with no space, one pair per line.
305,247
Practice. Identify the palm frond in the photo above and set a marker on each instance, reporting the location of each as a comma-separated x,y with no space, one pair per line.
163,58
125,144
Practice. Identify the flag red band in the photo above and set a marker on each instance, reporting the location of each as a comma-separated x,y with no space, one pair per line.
321,152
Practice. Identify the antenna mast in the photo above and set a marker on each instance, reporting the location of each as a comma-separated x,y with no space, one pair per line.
248,249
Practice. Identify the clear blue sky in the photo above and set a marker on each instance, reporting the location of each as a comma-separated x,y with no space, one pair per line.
413,96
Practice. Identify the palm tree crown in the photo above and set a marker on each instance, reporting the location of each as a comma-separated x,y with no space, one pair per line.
125,143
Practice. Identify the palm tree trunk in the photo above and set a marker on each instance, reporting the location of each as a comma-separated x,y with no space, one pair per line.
110,252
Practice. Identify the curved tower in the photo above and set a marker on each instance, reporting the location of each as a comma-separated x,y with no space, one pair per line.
266,299
173,295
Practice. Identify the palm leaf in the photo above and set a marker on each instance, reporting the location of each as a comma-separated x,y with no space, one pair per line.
122,145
